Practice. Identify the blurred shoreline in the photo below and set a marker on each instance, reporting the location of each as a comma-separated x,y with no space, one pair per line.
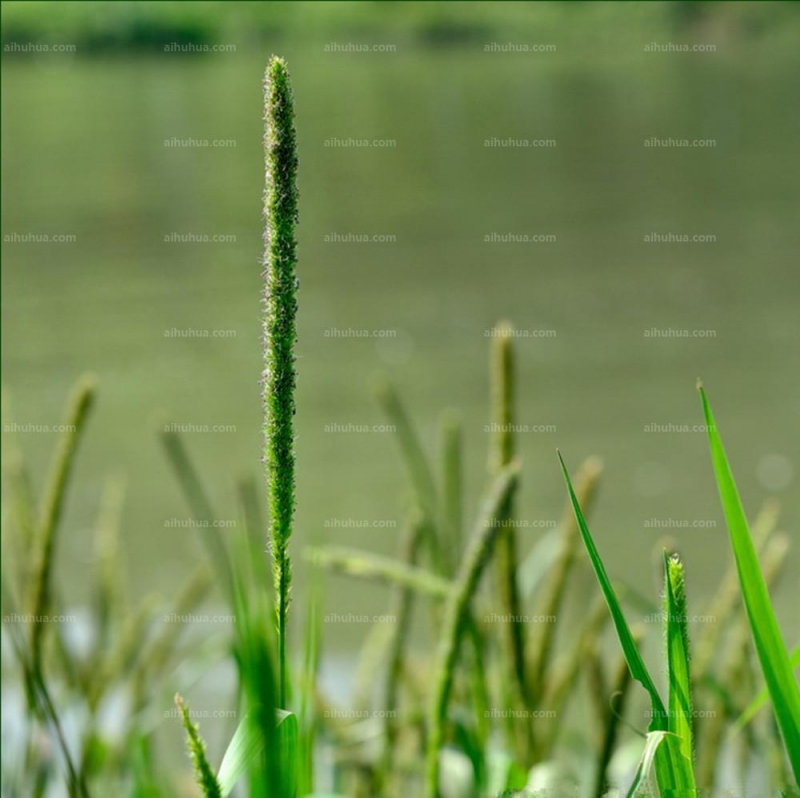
559,29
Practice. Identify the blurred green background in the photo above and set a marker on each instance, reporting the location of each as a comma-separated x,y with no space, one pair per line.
106,107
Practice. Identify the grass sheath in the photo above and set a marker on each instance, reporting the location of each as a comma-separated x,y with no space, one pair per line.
479,552
80,404
680,687
280,310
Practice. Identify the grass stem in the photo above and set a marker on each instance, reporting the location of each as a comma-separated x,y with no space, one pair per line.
481,544
50,512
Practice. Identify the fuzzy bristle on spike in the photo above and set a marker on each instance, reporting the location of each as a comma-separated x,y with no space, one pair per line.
280,310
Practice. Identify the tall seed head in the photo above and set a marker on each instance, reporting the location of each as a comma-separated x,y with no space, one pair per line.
280,310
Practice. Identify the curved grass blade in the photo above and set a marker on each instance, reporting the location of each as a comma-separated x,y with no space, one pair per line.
770,647
635,662
247,747
673,769
644,769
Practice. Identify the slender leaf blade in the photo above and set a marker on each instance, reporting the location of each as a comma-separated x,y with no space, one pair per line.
673,769
630,650
770,647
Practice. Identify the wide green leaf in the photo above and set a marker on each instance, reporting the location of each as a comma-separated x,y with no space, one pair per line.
770,647
247,746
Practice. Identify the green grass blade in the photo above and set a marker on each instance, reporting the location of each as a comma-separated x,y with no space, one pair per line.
635,663
246,748
771,650
677,635
673,769
288,742
555,587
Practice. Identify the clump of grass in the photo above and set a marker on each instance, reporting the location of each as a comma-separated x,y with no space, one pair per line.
280,310
273,749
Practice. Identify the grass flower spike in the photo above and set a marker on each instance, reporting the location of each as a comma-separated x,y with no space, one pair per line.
280,310
204,774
